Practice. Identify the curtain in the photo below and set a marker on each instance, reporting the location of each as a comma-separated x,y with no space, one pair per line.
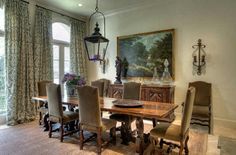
19,63
2,2
77,51
43,52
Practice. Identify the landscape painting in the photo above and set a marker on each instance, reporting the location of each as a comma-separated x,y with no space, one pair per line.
142,53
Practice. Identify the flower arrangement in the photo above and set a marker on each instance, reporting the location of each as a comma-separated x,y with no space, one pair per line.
73,79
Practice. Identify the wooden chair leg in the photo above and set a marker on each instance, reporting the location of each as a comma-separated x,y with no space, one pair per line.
113,135
161,143
99,141
181,147
81,139
62,131
154,122
209,126
40,118
186,145
50,129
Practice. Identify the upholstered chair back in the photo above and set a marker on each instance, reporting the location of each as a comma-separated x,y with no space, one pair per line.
42,87
132,90
89,108
100,85
203,93
54,100
188,109
106,86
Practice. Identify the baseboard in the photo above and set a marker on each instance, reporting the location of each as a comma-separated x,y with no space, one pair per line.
224,122
2,119
217,121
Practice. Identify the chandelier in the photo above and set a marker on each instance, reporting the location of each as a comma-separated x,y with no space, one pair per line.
96,44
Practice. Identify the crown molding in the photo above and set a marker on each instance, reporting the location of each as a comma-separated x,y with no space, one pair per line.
129,8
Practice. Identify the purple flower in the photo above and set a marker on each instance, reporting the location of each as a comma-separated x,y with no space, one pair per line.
73,79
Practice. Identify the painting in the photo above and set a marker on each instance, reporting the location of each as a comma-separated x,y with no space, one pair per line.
143,53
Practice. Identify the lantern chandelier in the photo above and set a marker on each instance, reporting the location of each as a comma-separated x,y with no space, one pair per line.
96,44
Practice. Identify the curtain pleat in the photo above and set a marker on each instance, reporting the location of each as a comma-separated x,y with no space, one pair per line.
77,50
43,52
19,63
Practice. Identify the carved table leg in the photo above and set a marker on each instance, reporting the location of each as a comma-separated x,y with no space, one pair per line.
126,133
139,139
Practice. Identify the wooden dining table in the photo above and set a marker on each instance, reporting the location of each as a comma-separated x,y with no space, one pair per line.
149,109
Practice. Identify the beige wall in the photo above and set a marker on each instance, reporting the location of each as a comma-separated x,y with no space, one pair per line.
211,20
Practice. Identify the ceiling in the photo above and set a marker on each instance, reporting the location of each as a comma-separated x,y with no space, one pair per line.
105,6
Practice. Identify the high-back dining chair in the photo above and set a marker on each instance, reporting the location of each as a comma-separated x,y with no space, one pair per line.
90,118
173,132
131,91
100,85
56,113
202,104
105,86
42,106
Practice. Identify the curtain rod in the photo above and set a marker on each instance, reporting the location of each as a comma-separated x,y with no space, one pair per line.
59,13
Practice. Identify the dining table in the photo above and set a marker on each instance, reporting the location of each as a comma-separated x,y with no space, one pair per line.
147,109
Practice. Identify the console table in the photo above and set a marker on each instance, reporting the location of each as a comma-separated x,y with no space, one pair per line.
157,93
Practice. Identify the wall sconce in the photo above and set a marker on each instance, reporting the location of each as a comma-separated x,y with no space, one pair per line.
199,61
96,43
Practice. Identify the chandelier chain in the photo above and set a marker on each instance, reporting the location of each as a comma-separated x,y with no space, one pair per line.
96,9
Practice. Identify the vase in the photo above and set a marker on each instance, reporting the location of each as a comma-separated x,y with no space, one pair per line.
71,90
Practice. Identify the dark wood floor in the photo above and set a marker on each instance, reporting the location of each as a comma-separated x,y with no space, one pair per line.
29,139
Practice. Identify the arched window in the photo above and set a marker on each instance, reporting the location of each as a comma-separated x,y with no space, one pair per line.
3,107
61,50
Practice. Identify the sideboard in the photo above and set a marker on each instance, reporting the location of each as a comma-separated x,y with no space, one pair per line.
158,93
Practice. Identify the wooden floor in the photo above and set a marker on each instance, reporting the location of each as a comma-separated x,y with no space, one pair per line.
29,139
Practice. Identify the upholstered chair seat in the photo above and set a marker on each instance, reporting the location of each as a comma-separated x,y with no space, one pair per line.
67,117
56,113
90,116
106,124
173,132
168,131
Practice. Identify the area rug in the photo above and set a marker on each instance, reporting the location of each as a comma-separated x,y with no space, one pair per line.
227,145
29,138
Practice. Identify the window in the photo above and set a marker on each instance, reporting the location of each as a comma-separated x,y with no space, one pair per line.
61,50
2,66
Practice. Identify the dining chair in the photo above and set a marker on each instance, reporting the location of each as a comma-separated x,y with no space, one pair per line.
90,118
132,91
105,87
202,104
42,107
56,113
173,132
100,85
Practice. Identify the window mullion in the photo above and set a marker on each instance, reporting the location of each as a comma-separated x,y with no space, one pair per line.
61,61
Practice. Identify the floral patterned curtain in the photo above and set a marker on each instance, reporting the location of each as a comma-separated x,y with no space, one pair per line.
19,63
2,3
43,52
77,51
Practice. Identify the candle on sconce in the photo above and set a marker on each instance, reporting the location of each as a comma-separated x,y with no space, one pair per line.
203,58
194,58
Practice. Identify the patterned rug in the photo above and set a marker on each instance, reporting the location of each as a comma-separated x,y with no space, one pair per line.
29,138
